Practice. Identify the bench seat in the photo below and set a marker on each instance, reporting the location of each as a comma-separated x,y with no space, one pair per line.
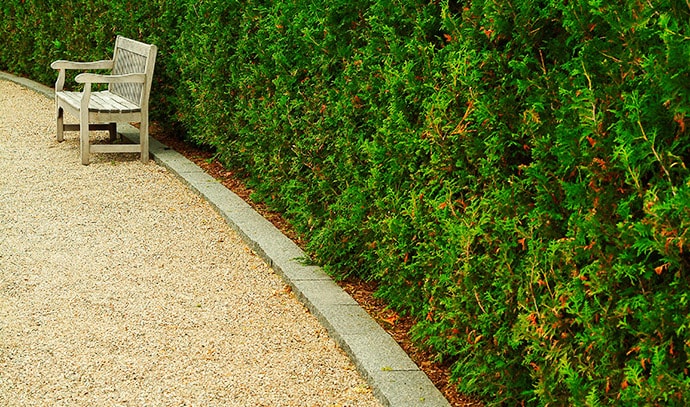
102,102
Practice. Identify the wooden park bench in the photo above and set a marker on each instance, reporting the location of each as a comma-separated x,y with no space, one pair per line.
126,100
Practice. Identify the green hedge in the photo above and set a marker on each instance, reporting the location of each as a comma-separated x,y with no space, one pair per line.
513,173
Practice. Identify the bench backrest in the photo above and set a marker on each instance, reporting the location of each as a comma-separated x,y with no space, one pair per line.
132,56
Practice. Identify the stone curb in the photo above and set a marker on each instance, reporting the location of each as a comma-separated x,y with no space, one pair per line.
395,379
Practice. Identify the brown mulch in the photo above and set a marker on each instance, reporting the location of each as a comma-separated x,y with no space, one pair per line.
363,292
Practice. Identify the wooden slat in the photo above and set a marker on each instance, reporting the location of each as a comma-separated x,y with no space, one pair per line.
132,45
76,127
72,98
115,148
112,102
104,102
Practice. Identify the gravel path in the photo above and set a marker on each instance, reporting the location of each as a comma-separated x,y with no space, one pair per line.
118,286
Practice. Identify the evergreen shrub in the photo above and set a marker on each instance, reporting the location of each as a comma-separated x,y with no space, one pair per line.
512,173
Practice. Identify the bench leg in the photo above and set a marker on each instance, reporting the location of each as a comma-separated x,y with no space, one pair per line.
112,129
60,125
144,138
84,136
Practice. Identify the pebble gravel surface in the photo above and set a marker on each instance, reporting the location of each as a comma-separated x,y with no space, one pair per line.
120,287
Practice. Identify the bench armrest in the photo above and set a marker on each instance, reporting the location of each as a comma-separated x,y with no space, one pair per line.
96,78
62,64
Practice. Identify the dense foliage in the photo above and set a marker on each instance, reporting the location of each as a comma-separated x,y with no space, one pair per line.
513,173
